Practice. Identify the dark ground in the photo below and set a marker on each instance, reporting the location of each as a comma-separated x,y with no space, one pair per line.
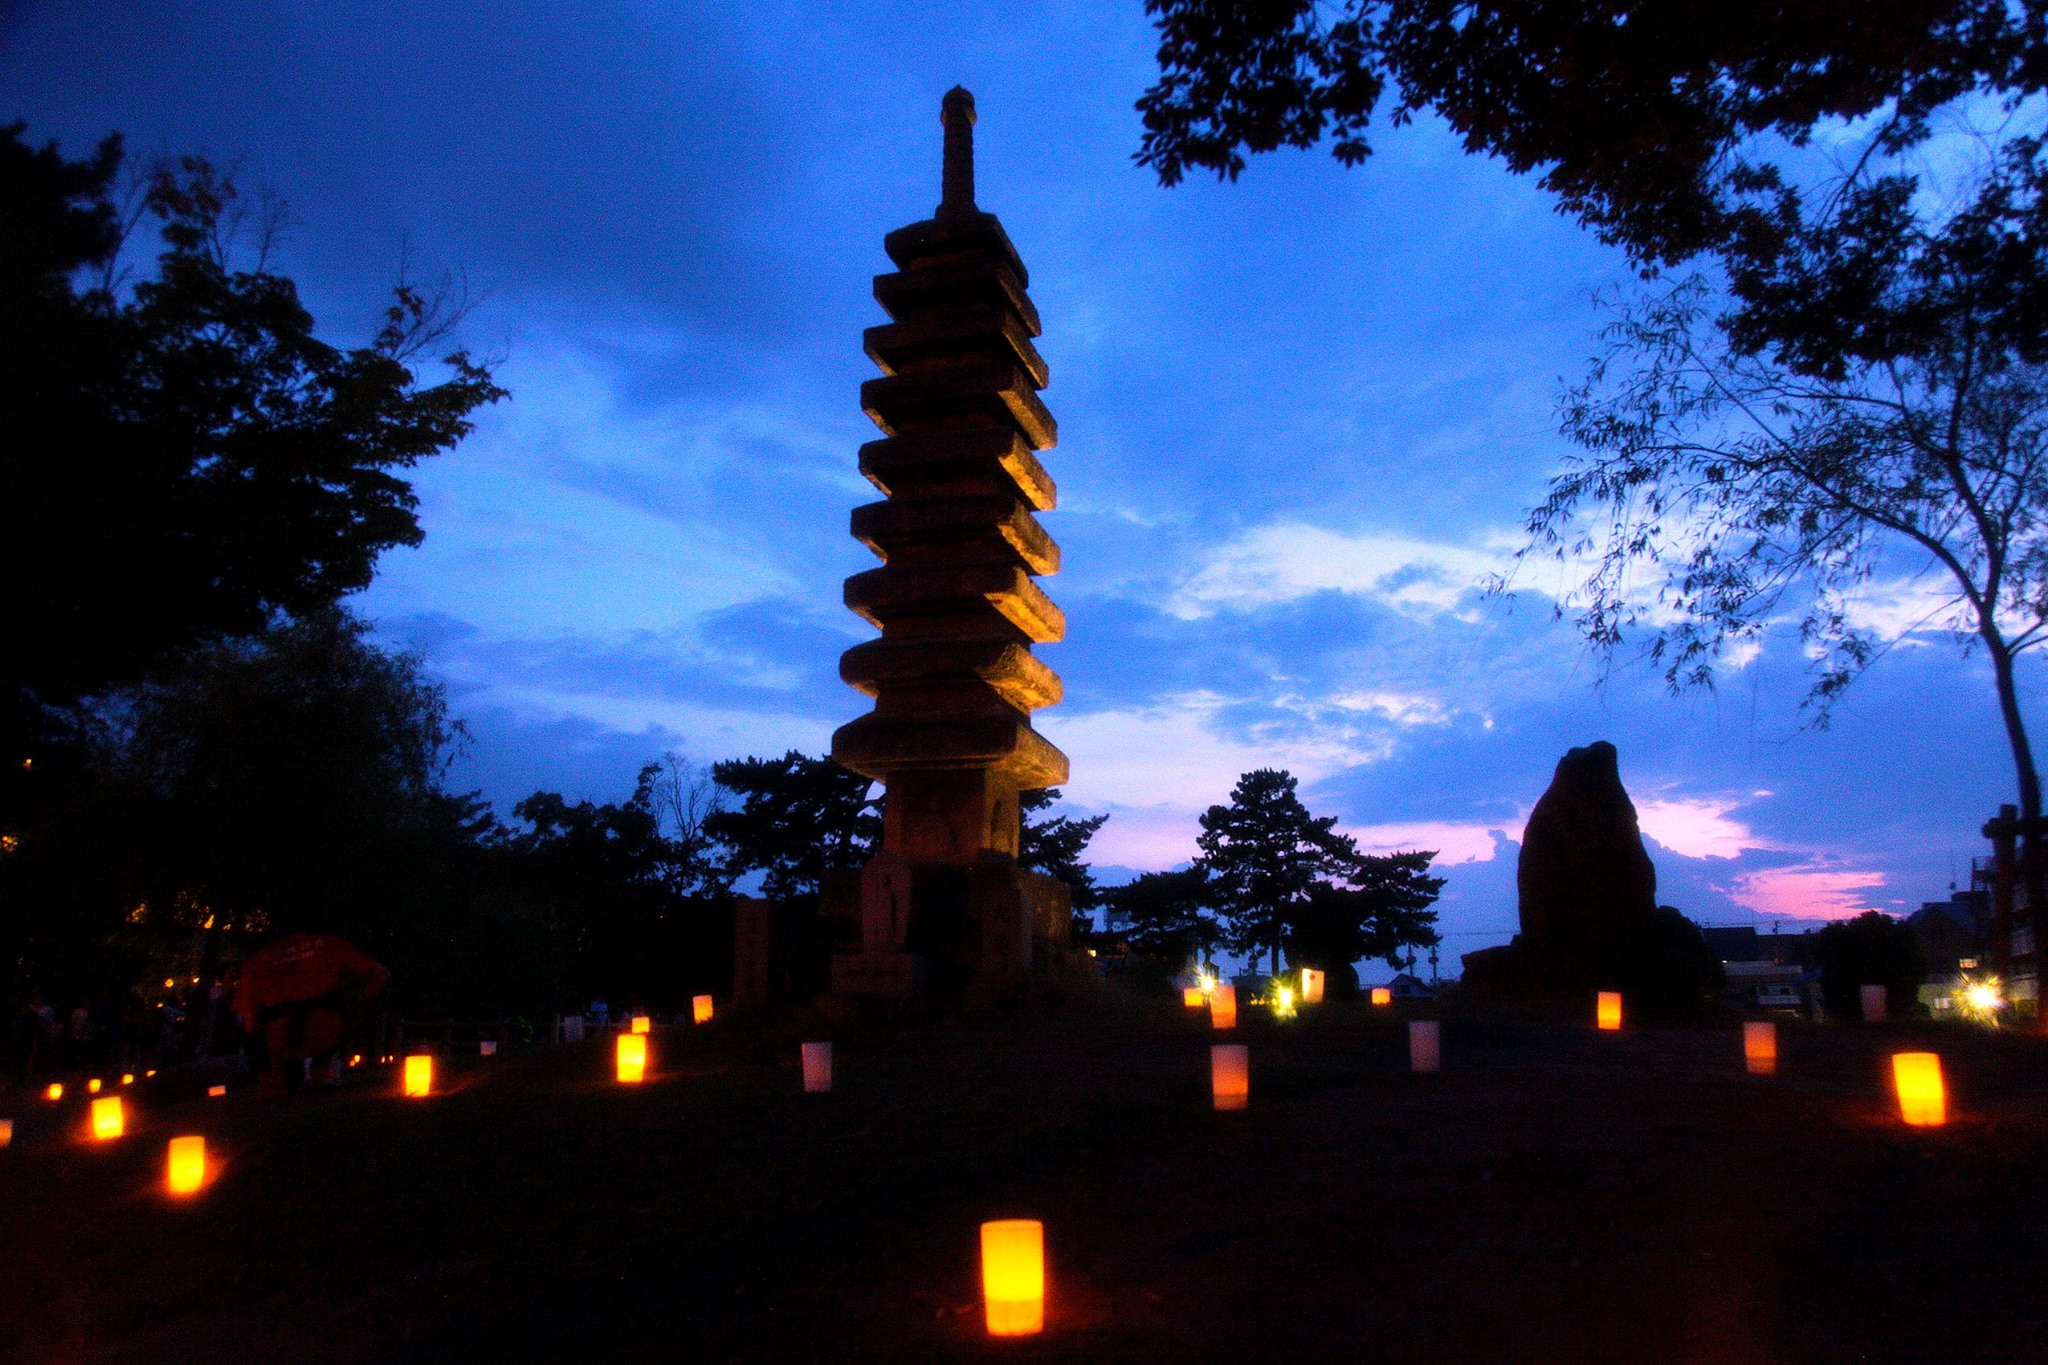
1555,1195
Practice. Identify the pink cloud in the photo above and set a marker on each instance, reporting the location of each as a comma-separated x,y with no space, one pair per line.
1806,892
1697,827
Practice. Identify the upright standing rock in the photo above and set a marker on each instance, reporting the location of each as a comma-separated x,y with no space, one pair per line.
1589,912
1584,875
944,905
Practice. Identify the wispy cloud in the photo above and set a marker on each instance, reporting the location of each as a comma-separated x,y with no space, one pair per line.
1289,560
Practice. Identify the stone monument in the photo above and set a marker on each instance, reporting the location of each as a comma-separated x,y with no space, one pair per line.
1589,913
943,908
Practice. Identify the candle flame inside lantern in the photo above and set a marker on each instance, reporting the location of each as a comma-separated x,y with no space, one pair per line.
632,1058
1923,1101
1425,1045
187,1165
817,1068
1609,1009
1013,1276
419,1076
1382,995
53,1091
1230,1075
1311,986
1223,1007
107,1119
700,1008
1760,1047
642,1023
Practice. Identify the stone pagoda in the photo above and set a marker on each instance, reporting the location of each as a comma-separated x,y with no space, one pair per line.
944,910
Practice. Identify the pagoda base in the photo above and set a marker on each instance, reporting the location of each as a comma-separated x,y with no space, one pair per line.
942,932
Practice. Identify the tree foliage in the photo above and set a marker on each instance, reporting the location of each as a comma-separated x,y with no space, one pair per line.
1166,917
1873,949
1651,122
186,459
1055,846
796,817
1278,876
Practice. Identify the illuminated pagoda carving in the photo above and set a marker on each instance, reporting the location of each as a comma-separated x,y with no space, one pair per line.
943,907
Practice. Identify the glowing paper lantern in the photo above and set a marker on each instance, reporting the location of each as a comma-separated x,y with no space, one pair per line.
53,1091
6,1132
1873,1004
419,1076
187,1165
1193,998
92,1087
1230,1075
1013,1276
1382,995
817,1068
1223,1007
700,1008
1760,1047
1311,986
214,1092
1922,1100
1609,1010
632,1058
642,1023
127,1078
1425,1045
107,1120
487,1048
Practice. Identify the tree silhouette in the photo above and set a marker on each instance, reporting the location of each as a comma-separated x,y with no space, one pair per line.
1054,846
1262,853
797,816
185,459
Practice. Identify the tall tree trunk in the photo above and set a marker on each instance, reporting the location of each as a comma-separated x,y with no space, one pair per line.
2032,851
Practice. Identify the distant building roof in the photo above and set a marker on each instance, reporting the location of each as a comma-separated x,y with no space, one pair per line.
1735,944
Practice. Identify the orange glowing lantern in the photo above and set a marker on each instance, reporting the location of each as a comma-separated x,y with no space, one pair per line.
632,1058
214,1092
1382,995
6,1132
419,1076
1608,1011
1223,1006
1230,1075
642,1023
487,1048
107,1119
1193,998
1873,1004
817,1068
92,1087
127,1078
1013,1276
1760,1047
187,1165
1311,986
53,1091
700,1009
1923,1102
1425,1045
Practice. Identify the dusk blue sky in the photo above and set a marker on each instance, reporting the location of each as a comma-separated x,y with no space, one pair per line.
1301,417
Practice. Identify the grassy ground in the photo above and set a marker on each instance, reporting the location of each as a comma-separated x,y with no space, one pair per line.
1556,1194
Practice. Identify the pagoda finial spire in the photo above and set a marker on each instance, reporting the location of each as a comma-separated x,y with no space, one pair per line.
956,112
